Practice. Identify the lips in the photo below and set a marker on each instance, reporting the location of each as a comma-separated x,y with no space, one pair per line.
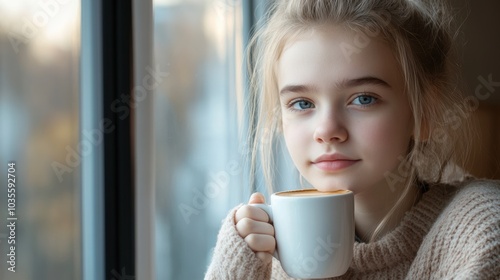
334,162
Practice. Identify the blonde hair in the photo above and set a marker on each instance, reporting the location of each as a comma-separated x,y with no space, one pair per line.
421,35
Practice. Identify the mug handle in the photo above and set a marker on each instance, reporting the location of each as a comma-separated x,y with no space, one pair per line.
269,211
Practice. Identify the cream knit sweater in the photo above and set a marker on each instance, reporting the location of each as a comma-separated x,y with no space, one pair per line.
452,233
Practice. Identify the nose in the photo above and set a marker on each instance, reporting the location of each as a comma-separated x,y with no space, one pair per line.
330,129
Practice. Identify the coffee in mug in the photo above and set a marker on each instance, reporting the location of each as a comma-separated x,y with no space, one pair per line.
314,231
310,192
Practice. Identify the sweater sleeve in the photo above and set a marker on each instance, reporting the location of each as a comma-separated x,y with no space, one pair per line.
464,243
232,258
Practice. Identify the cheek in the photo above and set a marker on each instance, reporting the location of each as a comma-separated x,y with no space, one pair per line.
296,137
386,140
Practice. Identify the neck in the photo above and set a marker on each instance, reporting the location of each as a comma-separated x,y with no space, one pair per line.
373,205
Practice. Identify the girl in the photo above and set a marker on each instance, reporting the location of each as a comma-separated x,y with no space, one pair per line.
363,93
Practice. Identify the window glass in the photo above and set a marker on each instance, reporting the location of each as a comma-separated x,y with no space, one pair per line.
39,81
198,167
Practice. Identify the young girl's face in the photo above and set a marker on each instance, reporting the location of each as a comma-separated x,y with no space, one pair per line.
346,119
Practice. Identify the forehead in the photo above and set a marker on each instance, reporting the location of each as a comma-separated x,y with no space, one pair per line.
333,53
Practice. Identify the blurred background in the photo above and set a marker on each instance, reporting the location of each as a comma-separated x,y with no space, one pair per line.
200,150
39,123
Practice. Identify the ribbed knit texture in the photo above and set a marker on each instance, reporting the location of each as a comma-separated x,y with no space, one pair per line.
452,233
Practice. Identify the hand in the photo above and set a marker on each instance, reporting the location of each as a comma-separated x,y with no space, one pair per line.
253,225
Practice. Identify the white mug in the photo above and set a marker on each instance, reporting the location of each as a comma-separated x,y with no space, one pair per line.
314,231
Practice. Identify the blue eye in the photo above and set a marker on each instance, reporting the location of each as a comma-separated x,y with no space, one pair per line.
301,105
364,100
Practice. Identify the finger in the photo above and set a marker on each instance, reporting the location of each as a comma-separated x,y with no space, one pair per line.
251,212
265,257
261,242
257,198
247,226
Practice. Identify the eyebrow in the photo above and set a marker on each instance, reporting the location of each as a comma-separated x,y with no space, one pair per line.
347,83
369,80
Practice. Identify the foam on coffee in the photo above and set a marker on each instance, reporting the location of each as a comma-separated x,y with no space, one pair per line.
311,192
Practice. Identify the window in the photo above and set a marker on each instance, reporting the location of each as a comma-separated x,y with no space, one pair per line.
198,166
39,121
